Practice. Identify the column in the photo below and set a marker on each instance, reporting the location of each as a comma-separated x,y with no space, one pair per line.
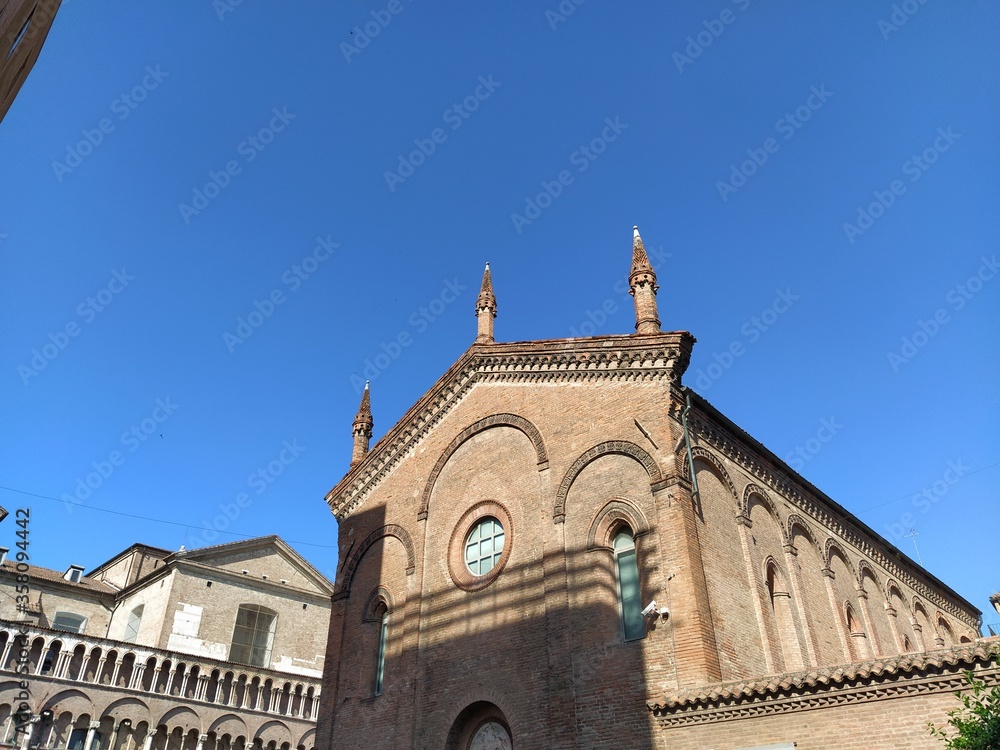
137,673
41,658
156,676
148,743
201,741
100,668
91,731
28,731
62,664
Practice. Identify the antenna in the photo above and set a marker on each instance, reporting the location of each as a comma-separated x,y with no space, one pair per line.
912,534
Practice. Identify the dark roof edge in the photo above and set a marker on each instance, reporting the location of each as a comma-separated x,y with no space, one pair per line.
849,517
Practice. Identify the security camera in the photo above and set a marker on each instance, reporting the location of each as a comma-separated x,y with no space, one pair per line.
654,612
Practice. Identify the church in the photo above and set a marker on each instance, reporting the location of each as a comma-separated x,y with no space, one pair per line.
561,545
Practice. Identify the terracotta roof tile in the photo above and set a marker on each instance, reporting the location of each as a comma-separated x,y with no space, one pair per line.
47,574
984,650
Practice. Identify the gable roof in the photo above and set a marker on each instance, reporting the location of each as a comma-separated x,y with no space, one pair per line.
54,576
205,555
617,357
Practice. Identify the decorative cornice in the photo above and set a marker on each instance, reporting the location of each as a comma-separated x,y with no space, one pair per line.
929,672
661,357
810,501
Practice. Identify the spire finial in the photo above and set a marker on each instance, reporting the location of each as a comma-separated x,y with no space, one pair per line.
363,424
642,287
486,309
640,261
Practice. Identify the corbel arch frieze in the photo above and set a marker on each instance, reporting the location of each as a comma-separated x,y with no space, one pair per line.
391,529
612,447
494,420
615,512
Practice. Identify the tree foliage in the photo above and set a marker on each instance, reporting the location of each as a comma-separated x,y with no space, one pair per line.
977,723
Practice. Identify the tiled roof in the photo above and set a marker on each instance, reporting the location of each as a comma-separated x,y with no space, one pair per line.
967,655
47,574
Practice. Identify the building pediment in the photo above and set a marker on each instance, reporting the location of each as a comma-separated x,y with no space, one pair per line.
662,356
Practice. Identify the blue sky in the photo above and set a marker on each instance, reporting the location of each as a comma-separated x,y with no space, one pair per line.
214,216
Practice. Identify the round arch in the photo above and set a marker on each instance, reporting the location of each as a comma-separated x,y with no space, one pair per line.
612,447
715,466
390,529
478,726
487,423
617,511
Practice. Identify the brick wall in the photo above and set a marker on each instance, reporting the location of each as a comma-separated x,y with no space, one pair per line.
541,645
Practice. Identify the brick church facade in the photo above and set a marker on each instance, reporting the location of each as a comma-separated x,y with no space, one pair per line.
502,546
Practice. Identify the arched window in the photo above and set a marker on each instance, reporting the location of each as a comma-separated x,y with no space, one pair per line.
627,575
382,612
132,627
856,631
253,635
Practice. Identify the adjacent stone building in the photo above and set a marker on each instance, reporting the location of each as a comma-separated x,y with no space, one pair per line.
219,648
562,546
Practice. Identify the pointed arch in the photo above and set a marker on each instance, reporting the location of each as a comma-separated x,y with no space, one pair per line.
612,447
389,529
494,420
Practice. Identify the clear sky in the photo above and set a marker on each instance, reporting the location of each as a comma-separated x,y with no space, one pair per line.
215,217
